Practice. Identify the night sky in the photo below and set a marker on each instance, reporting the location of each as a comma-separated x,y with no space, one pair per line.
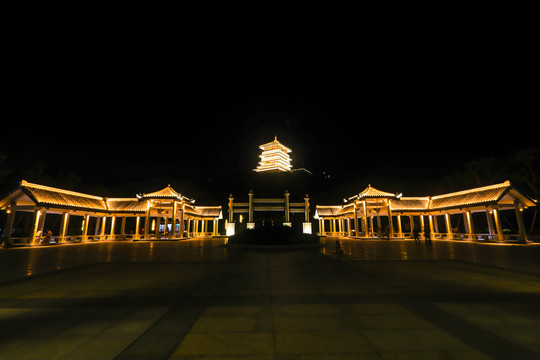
120,103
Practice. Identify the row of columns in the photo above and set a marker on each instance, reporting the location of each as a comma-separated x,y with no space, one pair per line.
192,226
342,225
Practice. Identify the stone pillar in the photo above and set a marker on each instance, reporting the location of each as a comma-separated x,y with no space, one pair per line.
364,222
411,224
306,208
174,210
158,221
147,221
231,208
287,214
250,210
85,227
422,226
35,226
435,223
103,223
356,229
137,227
123,226
521,223
9,224
181,221
489,219
470,225
64,226
390,222
98,227
113,224
215,229
498,225
400,232
431,229
448,224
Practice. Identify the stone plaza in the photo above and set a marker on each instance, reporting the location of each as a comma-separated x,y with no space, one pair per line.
196,299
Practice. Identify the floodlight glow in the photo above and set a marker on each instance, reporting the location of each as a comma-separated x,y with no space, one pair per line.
275,156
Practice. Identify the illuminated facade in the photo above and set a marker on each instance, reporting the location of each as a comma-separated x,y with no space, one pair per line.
163,214
274,157
376,214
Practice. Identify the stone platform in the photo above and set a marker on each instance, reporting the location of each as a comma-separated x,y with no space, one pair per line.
195,299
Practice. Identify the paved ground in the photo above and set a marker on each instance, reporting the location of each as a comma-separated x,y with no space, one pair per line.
196,300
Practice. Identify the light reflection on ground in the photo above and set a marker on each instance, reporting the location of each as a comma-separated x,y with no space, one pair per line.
518,257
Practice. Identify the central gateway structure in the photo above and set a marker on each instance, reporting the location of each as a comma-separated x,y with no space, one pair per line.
276,168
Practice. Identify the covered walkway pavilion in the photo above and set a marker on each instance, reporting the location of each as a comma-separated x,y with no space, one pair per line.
164,214
375,213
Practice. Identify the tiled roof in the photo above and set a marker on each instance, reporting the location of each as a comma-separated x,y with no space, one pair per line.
476,196
209,211
332,210
410,203
46,195
276,143
371,192
126,205
462,199
165,193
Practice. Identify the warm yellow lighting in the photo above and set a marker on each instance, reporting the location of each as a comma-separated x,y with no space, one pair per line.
153,228
275,156
241,219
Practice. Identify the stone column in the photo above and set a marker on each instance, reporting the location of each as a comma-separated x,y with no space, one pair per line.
102,235
364,222
174,210
113,224
448,223
356,229
400,232
123,226
306,208
470,225
181,221
521,223
9,224
489,220
498,225
390,222
64,226
287,214
147,222
231,208
85,227
137,227
35,226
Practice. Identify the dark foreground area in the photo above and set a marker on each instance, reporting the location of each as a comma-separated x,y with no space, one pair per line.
197,300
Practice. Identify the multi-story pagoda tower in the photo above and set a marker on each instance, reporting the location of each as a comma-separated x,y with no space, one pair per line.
274,157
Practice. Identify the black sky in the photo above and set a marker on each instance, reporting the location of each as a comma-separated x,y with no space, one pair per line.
408,92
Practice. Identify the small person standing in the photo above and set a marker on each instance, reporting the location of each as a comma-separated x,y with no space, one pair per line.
416,235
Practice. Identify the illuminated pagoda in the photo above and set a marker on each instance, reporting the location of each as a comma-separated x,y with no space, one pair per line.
274,157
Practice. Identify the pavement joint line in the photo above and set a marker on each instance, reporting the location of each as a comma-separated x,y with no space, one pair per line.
128,353
474,336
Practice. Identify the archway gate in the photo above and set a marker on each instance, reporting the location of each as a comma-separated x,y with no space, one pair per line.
254,204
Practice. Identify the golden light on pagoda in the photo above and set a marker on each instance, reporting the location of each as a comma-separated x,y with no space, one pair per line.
274,157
